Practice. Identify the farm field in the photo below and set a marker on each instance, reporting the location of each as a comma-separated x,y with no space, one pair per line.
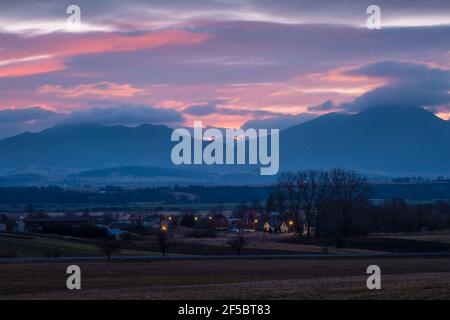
278,243
324,278
438,237
29,245
18,245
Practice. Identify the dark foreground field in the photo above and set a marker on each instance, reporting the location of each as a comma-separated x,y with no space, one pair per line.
402,278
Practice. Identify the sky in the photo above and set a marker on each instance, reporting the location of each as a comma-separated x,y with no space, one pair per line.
228,63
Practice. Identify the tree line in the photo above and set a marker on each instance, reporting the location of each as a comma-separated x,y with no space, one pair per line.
19,196
335,204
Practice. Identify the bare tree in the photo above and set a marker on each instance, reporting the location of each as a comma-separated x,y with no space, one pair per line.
306,183
311,192
238,243
348,189
109,247
163,241
287,189
315,195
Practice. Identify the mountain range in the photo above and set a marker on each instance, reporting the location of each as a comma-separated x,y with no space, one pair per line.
380,140
393,141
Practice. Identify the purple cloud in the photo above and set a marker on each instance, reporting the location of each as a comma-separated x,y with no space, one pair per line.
204,109
125,115
409,84
326,106
214,107
16,121
279,122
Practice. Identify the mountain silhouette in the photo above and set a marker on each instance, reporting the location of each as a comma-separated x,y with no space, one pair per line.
88,146
396,140
379,140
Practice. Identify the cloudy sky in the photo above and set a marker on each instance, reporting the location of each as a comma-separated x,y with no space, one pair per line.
230,63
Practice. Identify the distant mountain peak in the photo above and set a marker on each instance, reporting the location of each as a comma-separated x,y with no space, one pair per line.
378,140
397,109
407,115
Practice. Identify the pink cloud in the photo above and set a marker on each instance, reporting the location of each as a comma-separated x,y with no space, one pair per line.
292,96
443,115
30,68
101,90
288,97
57,47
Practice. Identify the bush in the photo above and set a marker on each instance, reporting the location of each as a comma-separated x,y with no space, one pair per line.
202,233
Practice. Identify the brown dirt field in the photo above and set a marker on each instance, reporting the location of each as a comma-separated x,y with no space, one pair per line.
272,242
402,278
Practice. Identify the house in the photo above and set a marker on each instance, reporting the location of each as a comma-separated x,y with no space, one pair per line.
117,234
122,225
283,228
164,224
131,217
251,214
274,225
20,225
243,224
219,222
152,222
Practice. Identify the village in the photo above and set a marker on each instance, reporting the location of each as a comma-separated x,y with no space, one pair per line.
214,231
126,225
